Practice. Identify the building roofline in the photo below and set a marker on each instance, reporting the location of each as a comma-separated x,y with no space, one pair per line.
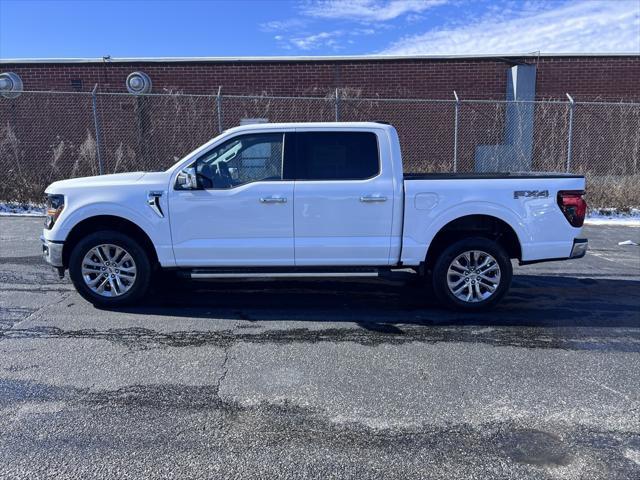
346,58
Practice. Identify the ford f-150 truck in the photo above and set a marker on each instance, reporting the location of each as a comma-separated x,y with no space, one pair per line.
309,200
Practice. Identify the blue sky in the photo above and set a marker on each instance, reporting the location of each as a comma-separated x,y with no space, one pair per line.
146,28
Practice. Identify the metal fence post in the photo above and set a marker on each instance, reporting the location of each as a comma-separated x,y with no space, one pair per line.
94,103
455,133
219,106
337,105
570,140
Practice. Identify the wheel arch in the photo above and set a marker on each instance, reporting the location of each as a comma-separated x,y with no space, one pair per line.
475,225
108,222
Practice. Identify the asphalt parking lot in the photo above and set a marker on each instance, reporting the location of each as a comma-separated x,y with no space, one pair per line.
322,379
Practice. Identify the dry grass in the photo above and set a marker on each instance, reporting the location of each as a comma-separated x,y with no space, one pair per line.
613,191
51,137
24,182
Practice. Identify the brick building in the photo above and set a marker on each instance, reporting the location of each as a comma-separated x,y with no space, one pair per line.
586,77
47,136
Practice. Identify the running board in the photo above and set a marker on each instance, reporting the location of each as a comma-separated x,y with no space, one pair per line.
204,274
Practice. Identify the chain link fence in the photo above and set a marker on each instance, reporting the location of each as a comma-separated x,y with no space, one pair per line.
47,136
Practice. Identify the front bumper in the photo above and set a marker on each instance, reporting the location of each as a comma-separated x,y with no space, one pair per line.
52,252
579,249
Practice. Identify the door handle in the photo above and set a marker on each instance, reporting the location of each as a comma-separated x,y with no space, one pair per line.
273,200
373,198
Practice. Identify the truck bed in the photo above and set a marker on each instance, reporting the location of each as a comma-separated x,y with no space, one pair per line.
526,201
488,175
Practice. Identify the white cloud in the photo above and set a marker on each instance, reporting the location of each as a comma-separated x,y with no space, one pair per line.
367,10
369,16
322,39
282,25
575,27
331,39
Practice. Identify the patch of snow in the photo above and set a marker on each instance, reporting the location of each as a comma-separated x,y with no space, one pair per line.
633,455
623,222
21,209
613,216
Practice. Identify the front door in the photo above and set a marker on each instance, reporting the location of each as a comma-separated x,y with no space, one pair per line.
242,213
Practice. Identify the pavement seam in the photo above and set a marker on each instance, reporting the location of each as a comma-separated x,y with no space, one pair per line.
39,310
225,370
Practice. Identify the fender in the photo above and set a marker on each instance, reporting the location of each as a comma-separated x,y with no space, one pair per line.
422,238
155,228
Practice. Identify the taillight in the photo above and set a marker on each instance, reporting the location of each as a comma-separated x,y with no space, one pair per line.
573,206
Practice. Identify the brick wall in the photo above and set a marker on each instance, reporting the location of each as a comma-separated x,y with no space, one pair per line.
46,137
612,78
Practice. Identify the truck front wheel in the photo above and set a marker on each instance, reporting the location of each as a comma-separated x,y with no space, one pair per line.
472,274
109,269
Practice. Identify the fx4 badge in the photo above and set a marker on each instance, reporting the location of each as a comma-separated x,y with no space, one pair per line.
530,194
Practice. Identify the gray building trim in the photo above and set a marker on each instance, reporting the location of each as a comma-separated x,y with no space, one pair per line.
346,58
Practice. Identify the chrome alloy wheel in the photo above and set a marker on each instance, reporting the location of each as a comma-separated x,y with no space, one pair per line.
473,276
108,270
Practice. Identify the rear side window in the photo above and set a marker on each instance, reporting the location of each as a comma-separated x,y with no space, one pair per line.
336,156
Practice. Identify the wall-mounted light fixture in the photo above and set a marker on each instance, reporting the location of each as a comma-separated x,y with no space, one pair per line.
138,83
10,85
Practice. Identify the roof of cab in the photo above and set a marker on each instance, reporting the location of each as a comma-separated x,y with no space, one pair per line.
318,125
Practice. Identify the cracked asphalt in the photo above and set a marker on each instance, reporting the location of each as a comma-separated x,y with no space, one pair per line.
322,379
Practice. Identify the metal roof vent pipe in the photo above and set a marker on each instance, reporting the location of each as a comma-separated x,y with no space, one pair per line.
10,85
138,83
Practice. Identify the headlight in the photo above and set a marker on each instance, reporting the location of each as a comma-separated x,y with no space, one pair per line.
55,205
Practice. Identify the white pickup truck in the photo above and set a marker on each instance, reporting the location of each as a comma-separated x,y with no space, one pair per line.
309,200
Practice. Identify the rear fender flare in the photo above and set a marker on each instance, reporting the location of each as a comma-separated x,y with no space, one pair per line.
475,208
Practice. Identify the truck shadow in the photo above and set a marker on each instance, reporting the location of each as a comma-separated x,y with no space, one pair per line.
380,305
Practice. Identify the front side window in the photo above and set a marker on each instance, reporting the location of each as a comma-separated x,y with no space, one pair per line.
244,159
336,155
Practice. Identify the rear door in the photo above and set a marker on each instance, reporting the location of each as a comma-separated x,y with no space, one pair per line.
343,198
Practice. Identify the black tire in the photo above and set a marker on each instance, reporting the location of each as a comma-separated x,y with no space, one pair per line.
441,267
141,259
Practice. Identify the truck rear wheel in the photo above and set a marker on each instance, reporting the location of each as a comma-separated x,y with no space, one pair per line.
109,269
472,274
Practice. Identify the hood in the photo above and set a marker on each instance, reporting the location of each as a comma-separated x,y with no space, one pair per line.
97,181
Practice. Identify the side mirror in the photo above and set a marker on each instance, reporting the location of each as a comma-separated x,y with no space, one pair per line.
233,171
187,179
